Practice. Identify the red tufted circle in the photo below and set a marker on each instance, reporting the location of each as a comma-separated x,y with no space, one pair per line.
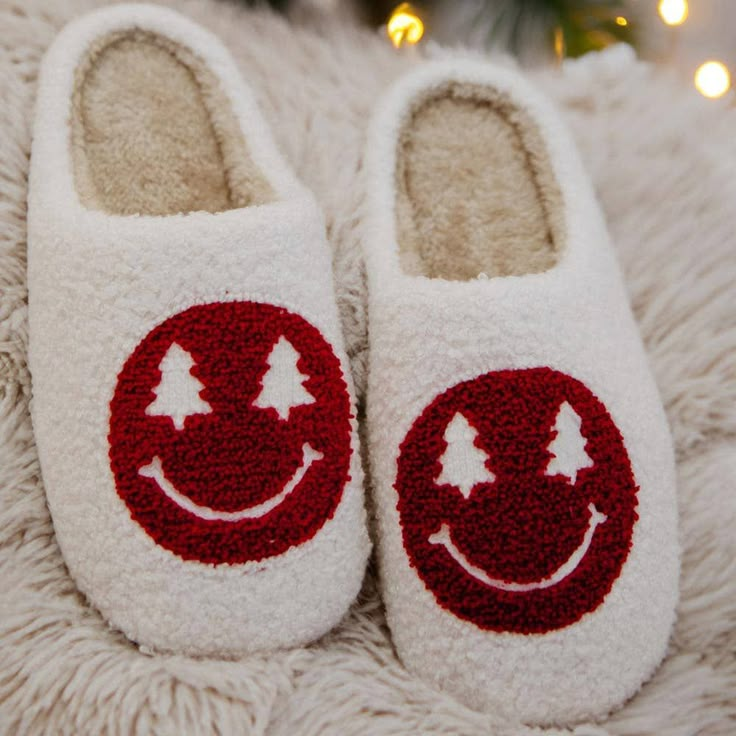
522,527
237,455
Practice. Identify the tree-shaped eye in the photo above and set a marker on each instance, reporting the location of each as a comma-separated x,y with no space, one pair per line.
282,386
177,394
463,463
568,447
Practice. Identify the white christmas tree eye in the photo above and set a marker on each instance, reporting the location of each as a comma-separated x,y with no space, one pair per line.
177,394
463,464
282,387
568,446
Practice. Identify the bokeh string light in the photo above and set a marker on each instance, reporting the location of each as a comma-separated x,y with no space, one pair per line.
712,79
569,28
404,26
596,28
673,12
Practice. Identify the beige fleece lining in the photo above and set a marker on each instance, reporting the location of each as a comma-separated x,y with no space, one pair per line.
153,133
476,193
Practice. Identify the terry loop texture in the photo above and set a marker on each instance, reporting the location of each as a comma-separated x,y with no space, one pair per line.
237,481
527,497
64,671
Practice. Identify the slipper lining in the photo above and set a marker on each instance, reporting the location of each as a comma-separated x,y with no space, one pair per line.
475,189
153,133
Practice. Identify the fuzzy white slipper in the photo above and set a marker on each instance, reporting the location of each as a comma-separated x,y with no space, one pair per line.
191,399
522,463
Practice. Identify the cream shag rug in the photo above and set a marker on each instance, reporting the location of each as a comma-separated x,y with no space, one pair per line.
663,162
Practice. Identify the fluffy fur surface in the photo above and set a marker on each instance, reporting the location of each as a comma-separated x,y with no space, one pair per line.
153,133
468,149
64,671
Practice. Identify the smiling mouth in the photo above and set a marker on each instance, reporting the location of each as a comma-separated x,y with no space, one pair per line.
443,538
155,470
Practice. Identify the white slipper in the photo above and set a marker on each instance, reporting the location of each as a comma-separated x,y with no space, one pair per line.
192,404
521,459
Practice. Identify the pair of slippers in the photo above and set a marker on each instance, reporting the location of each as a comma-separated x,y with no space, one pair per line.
194,411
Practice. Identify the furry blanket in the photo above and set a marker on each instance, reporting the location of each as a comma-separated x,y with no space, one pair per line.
662,160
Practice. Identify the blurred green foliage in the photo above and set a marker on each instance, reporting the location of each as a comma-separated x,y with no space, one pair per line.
569,27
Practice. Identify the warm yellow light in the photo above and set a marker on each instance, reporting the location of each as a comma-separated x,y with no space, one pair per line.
712,79
404,26
620,20
673,12
559,43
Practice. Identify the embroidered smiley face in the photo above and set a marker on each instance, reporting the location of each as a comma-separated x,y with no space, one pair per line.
517,500
230,432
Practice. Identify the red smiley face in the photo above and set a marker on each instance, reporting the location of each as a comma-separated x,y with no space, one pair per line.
230,432
517,500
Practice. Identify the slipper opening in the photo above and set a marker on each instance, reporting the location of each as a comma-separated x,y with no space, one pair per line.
153,133
475,190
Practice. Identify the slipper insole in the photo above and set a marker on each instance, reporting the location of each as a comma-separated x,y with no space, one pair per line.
475,191
153,133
